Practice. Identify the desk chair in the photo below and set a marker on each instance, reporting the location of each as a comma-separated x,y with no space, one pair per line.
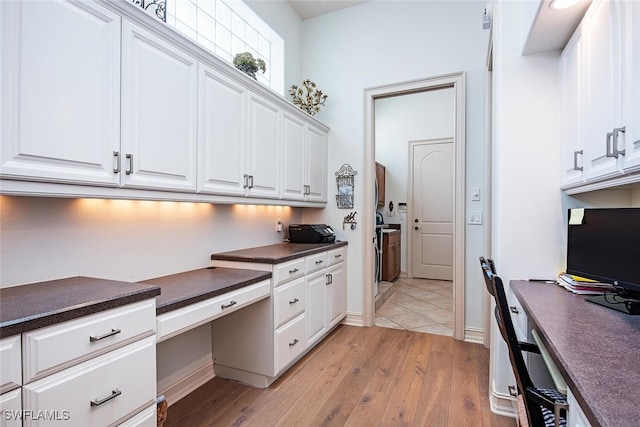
536,407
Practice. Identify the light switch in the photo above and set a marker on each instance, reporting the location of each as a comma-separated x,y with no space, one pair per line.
475,217
475,194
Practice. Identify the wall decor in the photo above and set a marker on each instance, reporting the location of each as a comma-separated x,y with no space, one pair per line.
248,64
351,220
345,182
309,102
153,7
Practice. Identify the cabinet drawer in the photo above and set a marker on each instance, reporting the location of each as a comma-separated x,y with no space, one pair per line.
518,316
10,366
146,418
288,270
290,342
84,338
101,391
337,255
317,261
288,301
185,318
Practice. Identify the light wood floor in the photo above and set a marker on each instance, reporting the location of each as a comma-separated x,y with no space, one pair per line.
358,377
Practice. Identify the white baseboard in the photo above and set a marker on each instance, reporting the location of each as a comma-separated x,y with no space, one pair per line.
179,389
474,335
502,404
354,319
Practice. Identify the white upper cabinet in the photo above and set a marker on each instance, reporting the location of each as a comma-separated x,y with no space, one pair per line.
159,126
316,164
221,134
60,91
263,148
631,92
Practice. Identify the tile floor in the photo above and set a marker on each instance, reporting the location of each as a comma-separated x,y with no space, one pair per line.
421,305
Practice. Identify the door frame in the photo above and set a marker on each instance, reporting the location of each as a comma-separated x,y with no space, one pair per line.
410,208
457,82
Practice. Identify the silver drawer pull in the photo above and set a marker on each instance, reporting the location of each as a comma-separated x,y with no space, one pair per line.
514,309
231,304
101,337
295,270
294,342
319,262
338,255
97,402
293,301
512,391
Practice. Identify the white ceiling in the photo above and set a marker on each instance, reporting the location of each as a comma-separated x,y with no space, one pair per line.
312,8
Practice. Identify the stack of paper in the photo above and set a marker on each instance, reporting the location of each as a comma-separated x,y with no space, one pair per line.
580,285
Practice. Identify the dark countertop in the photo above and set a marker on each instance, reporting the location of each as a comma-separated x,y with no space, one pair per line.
597,350
277,253
182,289
28,307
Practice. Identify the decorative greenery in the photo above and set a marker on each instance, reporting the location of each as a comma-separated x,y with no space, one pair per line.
246,62
311,101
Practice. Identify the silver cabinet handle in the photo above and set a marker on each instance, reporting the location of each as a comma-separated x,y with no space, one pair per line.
231,304
575,160
246,181
113,332
294,342
293,301
617,132
250,181
514,309
609,150
116,169
97,402
295,270
513,391
338,255
129,170
319,262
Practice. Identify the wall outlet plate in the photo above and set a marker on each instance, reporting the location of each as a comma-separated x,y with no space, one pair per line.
475,217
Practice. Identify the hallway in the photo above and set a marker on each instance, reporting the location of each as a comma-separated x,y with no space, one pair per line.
420,305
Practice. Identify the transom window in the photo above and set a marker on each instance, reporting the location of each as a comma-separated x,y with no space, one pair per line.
229,27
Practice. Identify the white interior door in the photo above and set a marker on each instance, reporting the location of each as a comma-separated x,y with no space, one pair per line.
432,196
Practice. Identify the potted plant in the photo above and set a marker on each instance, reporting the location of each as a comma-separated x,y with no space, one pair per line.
246,62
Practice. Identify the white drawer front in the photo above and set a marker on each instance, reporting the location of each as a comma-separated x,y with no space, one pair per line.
185,318
317,261
146,418
85,337
290,342
10,363
11,408
288,301
98,392
288,271
337,255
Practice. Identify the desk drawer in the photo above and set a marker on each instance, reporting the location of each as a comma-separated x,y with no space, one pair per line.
288,271
290,342
518,316
100,391
185,318
84,338
10,366
288,301
317,261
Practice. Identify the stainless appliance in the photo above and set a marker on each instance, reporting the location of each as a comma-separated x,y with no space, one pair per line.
311,233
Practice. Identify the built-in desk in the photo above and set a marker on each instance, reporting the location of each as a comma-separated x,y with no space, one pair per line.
596,349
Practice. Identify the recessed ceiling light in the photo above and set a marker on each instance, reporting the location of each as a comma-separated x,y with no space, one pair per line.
562,4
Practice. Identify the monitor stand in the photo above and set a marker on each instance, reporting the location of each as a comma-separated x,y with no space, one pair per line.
617,302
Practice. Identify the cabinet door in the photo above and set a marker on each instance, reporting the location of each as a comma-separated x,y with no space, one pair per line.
571,86
263,154
60,91
316,310
603,87
336,309
221,134
10,408
158,113
294,146
631,89
316,162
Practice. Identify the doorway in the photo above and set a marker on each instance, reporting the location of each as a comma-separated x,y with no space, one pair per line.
455,82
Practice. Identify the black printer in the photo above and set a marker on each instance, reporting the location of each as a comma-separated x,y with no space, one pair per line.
311,233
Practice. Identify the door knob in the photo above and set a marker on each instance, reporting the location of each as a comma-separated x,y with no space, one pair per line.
416,228
415,220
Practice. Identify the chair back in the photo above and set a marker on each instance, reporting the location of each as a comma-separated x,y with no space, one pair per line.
488,271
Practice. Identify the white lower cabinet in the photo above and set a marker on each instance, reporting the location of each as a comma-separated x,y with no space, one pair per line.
101,391
575,415
257,344
11,408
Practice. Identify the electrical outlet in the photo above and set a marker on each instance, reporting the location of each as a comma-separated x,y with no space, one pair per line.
278,226
475,217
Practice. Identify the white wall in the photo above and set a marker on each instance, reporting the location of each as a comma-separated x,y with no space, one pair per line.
48,238
398,121
379,43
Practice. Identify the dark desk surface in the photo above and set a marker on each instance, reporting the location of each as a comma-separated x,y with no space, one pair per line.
597,350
